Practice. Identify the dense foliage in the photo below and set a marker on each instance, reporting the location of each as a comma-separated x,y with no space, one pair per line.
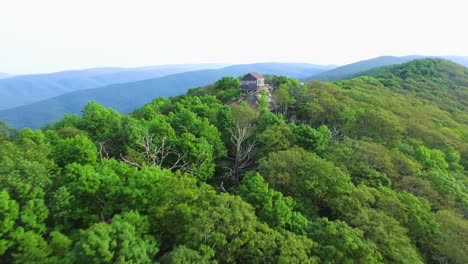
367,170
350,70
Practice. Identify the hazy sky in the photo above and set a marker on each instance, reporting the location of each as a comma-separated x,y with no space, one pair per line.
53,35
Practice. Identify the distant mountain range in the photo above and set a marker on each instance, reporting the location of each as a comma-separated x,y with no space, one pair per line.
124,94
462,60
25,89
126,97
350,70
4,75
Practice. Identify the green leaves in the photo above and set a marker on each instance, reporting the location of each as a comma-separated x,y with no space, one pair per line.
99,121
302,174
9,212
431,159
338,242
311,139
79,149
270,205
451,244
226,89
121,241
360,171
388,235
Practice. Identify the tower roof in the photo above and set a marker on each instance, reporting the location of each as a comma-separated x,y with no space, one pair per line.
255,75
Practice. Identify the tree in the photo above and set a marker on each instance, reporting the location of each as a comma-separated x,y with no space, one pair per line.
121,241
449,187
226,89
242,154
31,248
59,245
183,254
5,131
423,188
87,194
311,139
227,83
267,119
388,235
451,244
340,243
282,99
243,114
100,122
218,226
68,120
380,125
275,138
79,149
197,156
270,205
412,213
158,106
9,212
367,162
431,159
186,121
225,122
452,156
228,229
306,177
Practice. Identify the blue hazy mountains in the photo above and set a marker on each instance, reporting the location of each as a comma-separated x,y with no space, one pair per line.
4,75
45,98
25,89
124,97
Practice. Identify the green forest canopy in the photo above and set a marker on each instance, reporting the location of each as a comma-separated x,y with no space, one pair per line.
366,170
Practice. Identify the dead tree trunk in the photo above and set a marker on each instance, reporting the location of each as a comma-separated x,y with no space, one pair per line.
243,152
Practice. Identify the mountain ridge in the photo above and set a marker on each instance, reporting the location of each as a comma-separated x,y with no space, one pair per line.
128,96
352,69
436,80
24,89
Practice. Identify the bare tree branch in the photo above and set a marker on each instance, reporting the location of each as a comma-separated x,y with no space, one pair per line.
130,162
102,151
156,152
244,152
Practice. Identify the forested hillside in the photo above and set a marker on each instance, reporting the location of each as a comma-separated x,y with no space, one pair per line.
350,70
366,170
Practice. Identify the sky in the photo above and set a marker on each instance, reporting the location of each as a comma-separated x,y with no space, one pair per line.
54,35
